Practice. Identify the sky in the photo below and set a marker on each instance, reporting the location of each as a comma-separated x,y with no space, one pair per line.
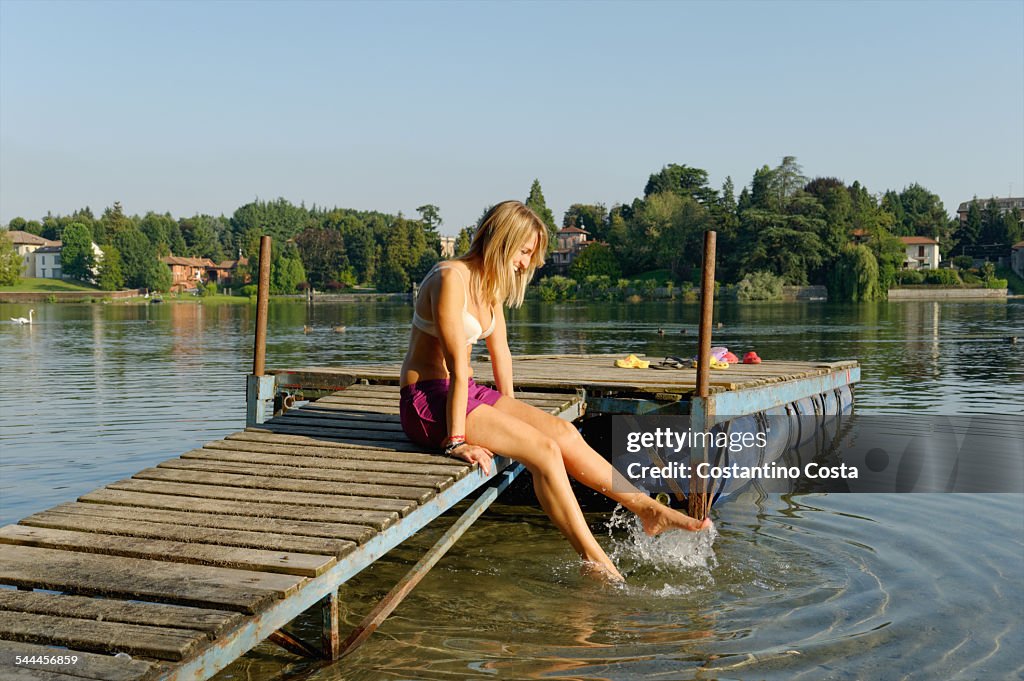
198,107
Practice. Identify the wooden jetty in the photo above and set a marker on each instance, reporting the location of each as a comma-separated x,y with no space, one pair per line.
741,389
186,566
180,570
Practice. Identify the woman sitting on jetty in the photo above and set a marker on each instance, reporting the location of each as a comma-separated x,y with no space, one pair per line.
461,301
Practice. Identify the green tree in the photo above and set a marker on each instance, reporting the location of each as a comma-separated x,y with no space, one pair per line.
993,229
202,235
918,212
759,286
139,262
595,260
10,262
110,276
683,181
323,255
286,270
279,219
430,216
592,217
969,232
163,232
111,223
393,277
463,240
854,276
77,258
535,202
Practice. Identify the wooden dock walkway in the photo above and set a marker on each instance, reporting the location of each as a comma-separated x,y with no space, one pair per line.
740,389
178,571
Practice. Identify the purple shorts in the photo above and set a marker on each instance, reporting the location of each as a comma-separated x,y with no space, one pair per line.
424,409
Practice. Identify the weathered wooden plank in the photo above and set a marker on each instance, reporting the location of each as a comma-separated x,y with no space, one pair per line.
86,666
279,444
54,532
314,418
394,506
86,518
363,429
248,523
289,470
417,494
353,413
294,458
137,579
262,435
343,517
324,431
211,622
100,637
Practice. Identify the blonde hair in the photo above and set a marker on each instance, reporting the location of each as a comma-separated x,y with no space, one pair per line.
503,230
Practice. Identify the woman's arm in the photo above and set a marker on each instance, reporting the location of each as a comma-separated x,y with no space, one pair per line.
501,356
447,306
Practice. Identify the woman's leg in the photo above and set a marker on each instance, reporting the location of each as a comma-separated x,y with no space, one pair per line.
507,435
591,469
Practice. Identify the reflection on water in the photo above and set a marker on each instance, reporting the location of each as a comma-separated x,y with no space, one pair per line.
803,586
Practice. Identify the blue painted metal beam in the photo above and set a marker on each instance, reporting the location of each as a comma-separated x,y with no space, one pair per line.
753,400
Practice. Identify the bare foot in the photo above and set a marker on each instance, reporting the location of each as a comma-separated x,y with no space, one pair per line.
601,573
658,518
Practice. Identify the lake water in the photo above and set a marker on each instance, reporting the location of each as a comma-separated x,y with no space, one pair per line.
825,586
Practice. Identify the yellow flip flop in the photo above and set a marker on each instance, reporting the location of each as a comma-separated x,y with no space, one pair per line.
632,362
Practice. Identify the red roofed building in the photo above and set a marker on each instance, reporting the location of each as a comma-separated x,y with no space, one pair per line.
187,273
922,253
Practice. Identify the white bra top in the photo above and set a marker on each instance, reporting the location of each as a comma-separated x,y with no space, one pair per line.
474,329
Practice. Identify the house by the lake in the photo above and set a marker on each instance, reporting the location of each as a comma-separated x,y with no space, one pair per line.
188,273
41,258
922,253
569,241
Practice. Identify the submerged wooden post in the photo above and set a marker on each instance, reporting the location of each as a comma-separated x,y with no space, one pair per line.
702,411
259,394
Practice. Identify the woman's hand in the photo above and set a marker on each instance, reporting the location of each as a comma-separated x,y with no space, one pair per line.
475,454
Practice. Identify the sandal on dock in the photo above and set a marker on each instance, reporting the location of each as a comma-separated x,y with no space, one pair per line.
632,362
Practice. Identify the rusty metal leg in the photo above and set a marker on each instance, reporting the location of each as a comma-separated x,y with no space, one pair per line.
330,640
420,570
293,645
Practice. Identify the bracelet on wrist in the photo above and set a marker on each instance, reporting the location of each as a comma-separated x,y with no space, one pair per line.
452,446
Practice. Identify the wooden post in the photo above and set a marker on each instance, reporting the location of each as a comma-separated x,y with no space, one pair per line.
259,393
262,301
701,417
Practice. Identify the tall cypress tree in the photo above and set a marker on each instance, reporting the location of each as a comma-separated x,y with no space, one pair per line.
535,202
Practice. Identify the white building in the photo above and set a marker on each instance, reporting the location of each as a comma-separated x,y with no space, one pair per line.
922,253
41,258
26,244
46,262
1017,258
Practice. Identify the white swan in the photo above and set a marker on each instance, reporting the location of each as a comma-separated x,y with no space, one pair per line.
22,320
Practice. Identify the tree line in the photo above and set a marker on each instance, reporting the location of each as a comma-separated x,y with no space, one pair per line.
783,223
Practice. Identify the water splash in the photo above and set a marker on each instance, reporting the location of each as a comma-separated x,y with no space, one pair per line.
686,558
